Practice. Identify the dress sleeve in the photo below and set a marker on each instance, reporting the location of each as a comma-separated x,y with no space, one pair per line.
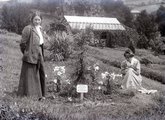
136,66
25,38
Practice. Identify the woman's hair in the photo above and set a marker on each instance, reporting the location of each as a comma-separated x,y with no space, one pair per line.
129,53
34,14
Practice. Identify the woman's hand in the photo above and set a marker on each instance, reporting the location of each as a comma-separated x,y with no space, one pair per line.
133,67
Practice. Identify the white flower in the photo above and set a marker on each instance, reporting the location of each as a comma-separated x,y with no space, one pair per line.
99,87
68,81
89,68
118,75
46,75
96,68
70,99
62,69
113,75
59,73
103,75
56,68
106,73
55,81
100,82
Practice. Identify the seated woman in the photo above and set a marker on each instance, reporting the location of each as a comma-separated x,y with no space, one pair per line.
130,69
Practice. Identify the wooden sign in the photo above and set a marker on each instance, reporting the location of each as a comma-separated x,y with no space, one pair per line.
81,88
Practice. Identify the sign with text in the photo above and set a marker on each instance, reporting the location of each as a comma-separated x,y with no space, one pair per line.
81,88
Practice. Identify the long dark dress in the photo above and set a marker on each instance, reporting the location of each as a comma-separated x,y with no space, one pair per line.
29,81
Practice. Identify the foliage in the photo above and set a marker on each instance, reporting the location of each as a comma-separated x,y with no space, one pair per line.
160,99
59,48
79,47
60,44
147,72
143,42
90,38
131,46
85,70
8,113
81,6
153,74
123,38
147,28
115,106
159,45
160,19
15,17
106,8
119,10
48,6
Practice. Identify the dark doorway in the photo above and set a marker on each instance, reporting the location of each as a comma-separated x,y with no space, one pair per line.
103,39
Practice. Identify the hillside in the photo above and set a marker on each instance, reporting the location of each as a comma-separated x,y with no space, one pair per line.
117,106
141,2
148,5
148,8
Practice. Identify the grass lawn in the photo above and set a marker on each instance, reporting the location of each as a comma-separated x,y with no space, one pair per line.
119,105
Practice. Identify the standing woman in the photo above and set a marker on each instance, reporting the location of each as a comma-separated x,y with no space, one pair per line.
32,78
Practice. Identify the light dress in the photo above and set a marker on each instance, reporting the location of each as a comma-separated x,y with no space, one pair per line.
132,77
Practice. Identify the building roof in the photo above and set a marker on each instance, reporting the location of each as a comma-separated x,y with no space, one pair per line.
135,11
97,23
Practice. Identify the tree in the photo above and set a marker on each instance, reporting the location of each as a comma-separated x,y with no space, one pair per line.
119,10
146,27
15,17
81,6
160,19
51,6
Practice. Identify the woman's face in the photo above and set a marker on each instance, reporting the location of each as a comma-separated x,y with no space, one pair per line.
36,20
127,57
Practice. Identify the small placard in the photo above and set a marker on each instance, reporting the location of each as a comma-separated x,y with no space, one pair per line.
81,88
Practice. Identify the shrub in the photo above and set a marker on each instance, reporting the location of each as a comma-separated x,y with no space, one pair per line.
60,44
146,27
124,38
8,113
15,17
2,31
147,72
145,61
153,74
151,59
60,49
160,100
131,46
159,45
143,42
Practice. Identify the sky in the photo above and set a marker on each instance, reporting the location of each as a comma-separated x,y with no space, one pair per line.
4,0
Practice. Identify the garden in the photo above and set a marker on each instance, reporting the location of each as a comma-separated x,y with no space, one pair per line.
87,65
83,76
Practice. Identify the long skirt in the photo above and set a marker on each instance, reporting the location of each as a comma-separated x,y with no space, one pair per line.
32,80
134,81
